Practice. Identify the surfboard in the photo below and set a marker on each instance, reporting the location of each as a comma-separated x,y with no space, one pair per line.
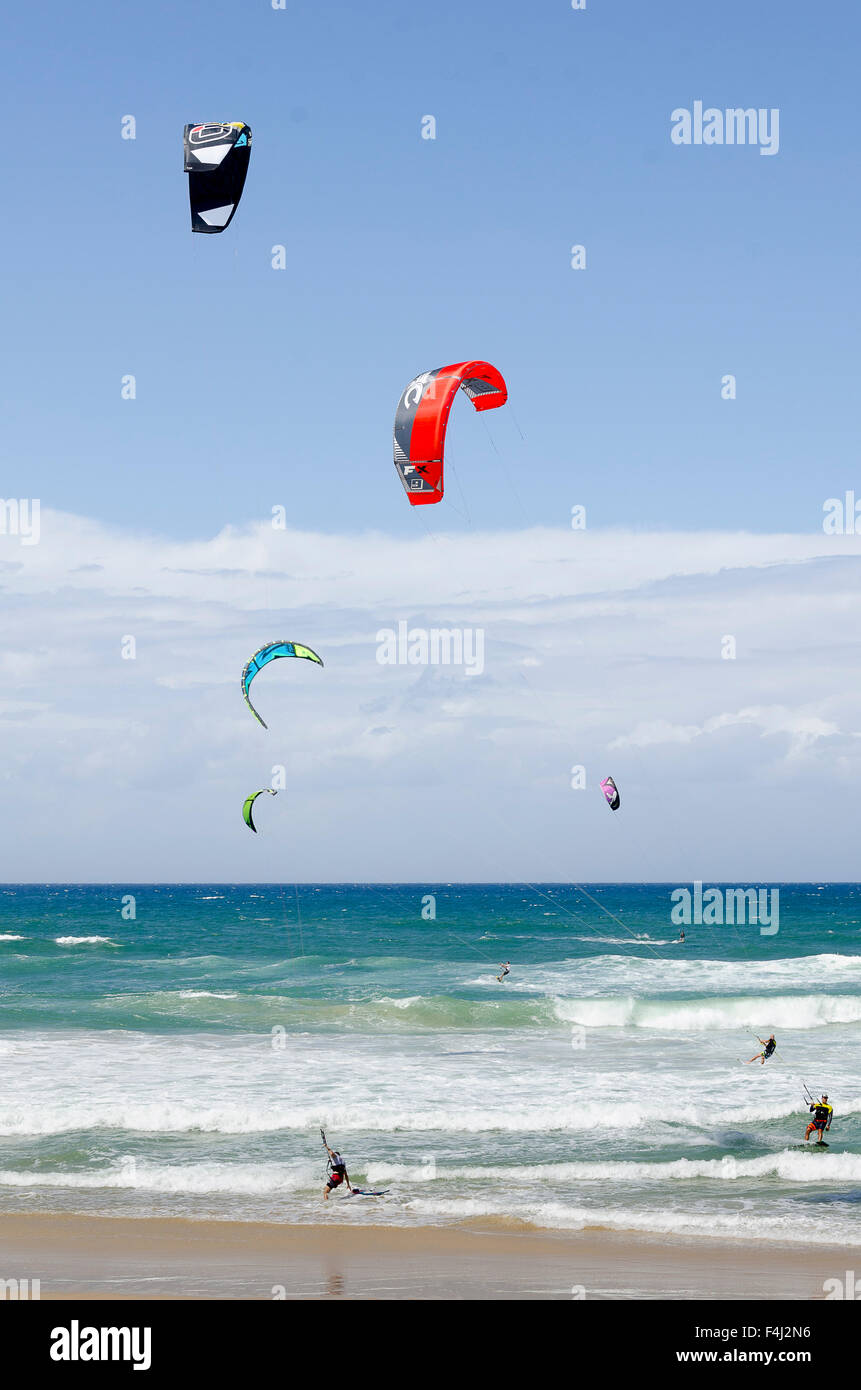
369,1192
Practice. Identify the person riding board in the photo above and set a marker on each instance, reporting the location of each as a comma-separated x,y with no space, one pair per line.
337,1170
769,1046
823,1113
505,967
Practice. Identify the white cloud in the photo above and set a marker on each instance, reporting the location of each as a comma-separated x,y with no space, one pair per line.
602,649
801,728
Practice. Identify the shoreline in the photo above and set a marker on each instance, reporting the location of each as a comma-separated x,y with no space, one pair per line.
108,1257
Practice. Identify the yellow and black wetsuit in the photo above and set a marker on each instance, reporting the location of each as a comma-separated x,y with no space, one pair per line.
822,1113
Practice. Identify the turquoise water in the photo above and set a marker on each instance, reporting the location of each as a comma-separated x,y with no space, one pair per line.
183,1062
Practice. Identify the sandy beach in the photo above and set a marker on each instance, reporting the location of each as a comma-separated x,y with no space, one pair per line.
108,1258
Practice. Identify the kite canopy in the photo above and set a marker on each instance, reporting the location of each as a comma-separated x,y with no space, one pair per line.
248,804
611,791
216,161
263,656
422,419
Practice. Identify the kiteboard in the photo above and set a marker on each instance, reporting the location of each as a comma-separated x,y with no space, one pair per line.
369,1192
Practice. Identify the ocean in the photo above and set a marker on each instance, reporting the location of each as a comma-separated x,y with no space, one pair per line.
182,1062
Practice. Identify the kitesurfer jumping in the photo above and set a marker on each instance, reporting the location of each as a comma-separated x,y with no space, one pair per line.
505,967
337,1173
823,1113
768,1045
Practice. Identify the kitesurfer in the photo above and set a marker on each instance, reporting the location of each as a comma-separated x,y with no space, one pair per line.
337,1173
505,967
682,934
768,1045
823,1113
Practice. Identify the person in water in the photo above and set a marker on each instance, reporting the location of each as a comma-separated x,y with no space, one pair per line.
337,1173
823,1113
682,934
768,1045
505,967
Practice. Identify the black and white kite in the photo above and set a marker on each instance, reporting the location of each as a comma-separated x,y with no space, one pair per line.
216,161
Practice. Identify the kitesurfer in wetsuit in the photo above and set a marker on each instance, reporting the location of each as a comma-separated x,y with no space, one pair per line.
505,967
337,1173
823,1113
682,934
769,1046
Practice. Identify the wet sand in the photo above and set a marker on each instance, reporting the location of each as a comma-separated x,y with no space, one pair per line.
105,1257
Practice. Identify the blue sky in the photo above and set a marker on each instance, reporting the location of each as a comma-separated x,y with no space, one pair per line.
258,387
